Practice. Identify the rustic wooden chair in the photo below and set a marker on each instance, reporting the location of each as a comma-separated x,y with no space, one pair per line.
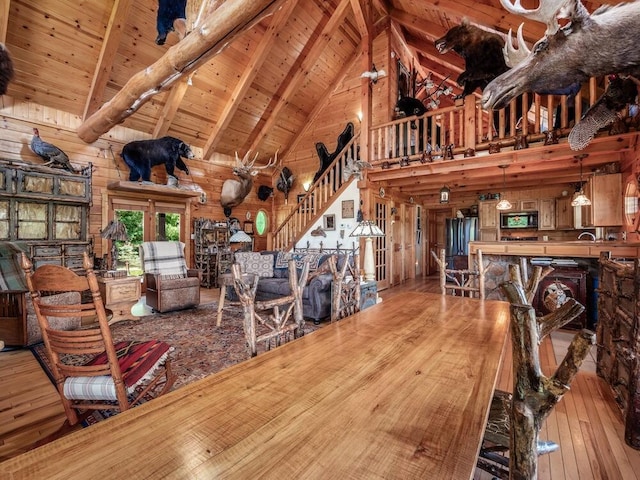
345,288
515,419
280,317
115,377
467,282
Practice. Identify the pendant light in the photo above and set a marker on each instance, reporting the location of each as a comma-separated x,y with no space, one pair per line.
579,198
444,194
504,204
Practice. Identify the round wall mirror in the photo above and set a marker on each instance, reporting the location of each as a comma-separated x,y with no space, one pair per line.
261,222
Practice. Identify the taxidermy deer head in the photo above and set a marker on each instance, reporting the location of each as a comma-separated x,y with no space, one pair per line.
234,191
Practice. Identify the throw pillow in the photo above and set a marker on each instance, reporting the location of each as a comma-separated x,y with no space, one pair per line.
256,263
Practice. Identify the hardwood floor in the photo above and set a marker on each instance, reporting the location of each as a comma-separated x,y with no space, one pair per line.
587,423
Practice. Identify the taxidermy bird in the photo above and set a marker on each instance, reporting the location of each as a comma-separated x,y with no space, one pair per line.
374,74
618,94
50,153
285,181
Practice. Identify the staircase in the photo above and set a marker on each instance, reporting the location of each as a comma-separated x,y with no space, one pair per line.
318,199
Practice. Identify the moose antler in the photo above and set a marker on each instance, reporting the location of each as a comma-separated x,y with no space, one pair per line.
547,12
513,56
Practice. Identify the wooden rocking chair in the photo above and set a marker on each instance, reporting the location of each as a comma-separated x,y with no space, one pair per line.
281,316
116,377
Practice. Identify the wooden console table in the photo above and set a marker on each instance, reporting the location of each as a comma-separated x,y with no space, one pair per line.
119,295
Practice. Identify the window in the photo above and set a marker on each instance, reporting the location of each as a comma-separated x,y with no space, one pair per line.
262,222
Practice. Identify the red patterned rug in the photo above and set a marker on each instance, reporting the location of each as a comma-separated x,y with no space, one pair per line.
201,348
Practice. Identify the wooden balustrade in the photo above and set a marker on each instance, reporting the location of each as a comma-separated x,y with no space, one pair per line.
470,127
318,198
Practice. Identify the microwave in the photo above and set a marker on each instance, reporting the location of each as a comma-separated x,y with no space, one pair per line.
519,220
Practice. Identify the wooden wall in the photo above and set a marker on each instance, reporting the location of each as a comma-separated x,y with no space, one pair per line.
59,127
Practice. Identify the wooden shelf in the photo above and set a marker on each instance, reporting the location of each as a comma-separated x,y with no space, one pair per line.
139,187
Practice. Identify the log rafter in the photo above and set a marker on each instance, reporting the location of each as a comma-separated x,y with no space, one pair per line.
214,34
278,22
299,71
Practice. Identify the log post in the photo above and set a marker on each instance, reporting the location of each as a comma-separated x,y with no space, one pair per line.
535,395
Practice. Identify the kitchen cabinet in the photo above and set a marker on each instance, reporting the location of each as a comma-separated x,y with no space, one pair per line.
528,205
489,221
564,214
547,214
605,193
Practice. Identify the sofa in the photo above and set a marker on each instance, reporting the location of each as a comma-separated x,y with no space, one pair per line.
273,272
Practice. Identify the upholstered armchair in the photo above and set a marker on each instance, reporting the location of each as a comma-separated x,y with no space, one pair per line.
171,285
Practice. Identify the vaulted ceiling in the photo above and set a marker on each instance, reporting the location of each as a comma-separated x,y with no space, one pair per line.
262,82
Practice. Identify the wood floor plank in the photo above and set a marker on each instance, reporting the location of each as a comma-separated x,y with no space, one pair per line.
587,422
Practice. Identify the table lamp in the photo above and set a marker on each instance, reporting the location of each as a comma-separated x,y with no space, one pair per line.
240,237
115,231
368,230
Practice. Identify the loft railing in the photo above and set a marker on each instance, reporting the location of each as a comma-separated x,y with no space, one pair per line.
441,133
316,201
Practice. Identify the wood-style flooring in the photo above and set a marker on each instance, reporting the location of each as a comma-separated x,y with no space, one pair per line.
587,423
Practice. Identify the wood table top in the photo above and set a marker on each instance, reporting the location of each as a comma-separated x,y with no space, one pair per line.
399,390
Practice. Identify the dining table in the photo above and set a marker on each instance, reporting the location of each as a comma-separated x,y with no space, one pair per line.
400,390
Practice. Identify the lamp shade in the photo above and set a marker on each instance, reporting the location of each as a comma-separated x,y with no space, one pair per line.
367,228
504,204
240,237
115,231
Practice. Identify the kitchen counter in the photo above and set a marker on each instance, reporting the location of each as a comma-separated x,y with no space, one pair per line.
577,249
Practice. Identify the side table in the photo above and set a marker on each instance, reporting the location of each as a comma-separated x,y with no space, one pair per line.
119,295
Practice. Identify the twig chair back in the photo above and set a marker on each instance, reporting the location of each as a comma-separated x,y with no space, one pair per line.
515,419
345,288
281,317
111,379
469,282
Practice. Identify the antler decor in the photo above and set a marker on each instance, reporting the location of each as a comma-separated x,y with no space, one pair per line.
234,191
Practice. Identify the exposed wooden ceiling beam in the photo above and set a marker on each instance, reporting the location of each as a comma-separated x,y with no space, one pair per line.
4,19
174,99
215,33
296,76
278,22
112,37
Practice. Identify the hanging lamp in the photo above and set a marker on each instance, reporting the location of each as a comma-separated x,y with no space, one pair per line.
579,198
504,204
444,194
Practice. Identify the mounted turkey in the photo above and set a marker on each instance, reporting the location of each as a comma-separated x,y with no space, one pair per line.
50,153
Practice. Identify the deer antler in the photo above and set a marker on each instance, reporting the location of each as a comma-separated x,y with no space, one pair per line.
271,163
547,12
513,56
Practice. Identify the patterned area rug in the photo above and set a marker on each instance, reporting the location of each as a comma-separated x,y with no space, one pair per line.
201,348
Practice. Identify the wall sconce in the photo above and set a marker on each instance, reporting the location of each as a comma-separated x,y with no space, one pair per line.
306,186
360,117
444,194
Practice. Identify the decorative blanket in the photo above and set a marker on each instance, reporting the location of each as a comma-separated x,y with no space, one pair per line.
165,258
11,277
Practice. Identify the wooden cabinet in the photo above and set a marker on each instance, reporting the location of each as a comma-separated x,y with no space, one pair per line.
605,193
528,205
547,214
564,214
119,295
489,216
489,221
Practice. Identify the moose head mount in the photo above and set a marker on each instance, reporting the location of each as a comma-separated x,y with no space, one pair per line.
234,191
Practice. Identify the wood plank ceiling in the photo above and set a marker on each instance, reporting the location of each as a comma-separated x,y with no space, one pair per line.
265,85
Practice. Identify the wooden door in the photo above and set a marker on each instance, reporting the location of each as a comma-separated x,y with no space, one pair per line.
408,224
437,236
381,245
